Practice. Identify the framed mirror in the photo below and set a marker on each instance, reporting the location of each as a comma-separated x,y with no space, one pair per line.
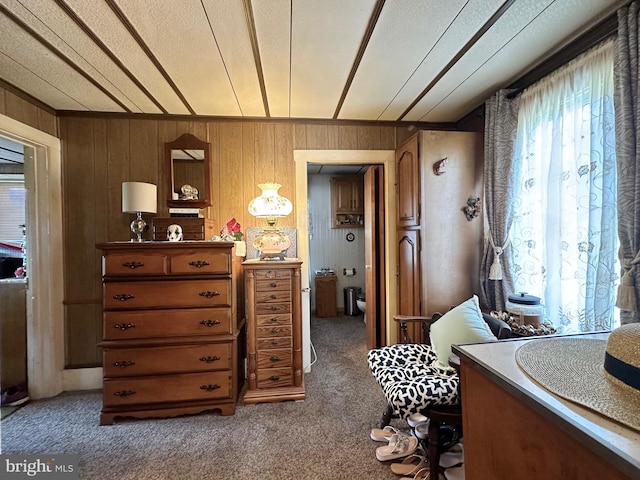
188,160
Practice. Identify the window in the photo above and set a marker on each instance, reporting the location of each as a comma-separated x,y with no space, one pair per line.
564,234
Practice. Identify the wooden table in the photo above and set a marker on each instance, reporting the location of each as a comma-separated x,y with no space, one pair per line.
514,428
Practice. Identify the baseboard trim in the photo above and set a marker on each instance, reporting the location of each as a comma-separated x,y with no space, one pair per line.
82,379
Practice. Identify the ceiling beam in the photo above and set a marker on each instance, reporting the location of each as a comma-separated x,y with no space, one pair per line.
253,36
488,24
373,21
61,56
145,48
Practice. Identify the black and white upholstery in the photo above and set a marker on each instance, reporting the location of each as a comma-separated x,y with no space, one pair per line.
412,379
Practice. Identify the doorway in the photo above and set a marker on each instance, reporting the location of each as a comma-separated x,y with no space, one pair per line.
386,158
44,308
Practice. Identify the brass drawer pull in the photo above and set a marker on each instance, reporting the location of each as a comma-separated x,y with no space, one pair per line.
210,323
124,393
209,359
123,297
209,294
274,342
209,388
274,307
274,319
273,297
274,330
273,285
123,364
124,326
275,358
274,378
199,263
133,265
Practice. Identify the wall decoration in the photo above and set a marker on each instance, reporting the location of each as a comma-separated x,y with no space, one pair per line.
350,237
438,167
472,208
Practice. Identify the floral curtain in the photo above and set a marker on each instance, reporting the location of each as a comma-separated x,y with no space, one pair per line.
564,239
501,176
627,104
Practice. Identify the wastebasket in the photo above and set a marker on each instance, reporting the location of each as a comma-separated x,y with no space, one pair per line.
350,301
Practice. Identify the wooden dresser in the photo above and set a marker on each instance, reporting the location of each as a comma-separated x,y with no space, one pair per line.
274,331
172,342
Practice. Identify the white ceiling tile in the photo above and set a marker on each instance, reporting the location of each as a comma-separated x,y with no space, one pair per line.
104,23
326,37
272,20
398,45
41,69
54,25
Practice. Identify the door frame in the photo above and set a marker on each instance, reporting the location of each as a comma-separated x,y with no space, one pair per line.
301,158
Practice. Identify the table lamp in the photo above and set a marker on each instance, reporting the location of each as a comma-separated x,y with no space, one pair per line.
271,206
139,198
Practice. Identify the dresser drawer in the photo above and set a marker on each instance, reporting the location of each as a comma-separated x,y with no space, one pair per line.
273,331
274,377
201,262
167,388
273,342
167,293
125,362
167,323
273,296
273,284
134,263
272,274
272,308
276,358
273,320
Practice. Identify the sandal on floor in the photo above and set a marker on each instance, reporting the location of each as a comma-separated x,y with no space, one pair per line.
422,474
410,465
416,419
399,446
455,473
384,434
422,430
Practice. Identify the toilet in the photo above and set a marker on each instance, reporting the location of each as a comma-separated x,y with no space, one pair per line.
362,305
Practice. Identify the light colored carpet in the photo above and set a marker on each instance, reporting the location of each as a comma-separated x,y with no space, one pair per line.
324,437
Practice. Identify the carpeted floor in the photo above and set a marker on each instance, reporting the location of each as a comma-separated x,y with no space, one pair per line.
324,437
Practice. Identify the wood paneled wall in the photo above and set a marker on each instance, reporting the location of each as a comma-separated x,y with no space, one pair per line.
28,113
101,153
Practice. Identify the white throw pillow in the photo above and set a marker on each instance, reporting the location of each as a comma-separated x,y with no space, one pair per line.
462,324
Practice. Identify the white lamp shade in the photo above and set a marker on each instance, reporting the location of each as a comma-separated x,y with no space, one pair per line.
139,197
270,204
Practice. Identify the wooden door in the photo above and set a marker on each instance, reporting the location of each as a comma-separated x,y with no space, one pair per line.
374,238
409,284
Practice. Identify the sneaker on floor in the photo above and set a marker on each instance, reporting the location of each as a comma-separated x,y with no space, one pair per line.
14,396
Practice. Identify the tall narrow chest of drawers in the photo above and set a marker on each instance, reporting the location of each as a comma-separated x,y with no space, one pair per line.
172,342
274,331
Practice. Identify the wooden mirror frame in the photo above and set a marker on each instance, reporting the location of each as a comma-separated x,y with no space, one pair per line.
189,142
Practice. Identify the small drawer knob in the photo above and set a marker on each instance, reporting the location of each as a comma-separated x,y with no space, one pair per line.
274,378
133,265
275,358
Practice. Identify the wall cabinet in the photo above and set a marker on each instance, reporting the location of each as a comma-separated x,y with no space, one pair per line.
172,342
347,201
274,331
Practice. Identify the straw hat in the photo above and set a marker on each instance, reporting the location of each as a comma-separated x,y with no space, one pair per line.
603,375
